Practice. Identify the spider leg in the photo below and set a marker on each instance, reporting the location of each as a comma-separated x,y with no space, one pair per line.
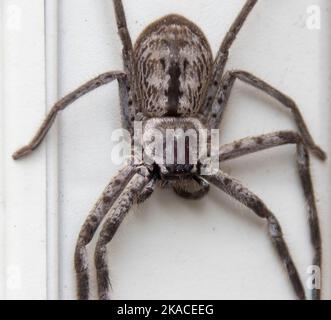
128,98
221,100
147,191
254,144
62,104
113,221
315,233
128,112
223,52
103,205
236,190
249,145
124,34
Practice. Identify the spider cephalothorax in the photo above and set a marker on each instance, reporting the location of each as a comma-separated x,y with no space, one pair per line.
172,83
174,146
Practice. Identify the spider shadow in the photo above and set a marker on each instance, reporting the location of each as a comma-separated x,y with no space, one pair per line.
197,210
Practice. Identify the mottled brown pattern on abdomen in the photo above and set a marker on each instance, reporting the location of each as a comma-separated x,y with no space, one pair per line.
173,61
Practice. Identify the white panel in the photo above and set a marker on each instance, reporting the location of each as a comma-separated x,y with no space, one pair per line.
23,250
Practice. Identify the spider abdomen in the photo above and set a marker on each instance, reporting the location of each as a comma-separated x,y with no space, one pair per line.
173,65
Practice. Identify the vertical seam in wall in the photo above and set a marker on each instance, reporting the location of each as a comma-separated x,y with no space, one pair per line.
2,141
51,92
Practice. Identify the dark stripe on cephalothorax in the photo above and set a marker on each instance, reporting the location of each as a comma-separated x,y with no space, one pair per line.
173,92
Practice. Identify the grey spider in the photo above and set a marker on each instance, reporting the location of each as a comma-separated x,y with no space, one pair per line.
170,80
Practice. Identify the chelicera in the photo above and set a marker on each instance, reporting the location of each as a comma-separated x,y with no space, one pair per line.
171,81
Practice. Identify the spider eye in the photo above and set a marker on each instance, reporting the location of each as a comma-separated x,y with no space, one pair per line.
185,65
179,168
163,63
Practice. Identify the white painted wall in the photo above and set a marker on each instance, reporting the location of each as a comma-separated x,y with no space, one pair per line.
23,203
169,247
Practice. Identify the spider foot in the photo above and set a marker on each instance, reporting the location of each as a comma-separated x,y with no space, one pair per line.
22,152
319,152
